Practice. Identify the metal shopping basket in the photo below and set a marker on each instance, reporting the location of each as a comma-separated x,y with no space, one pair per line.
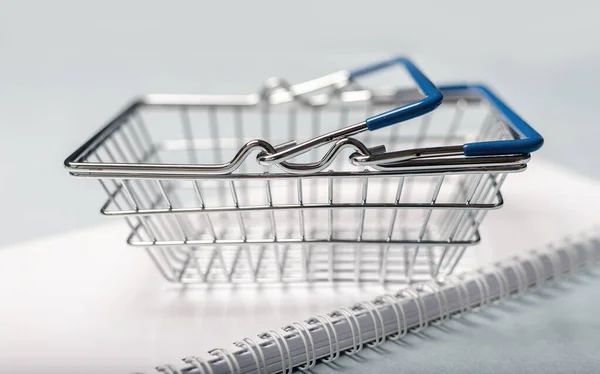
294,184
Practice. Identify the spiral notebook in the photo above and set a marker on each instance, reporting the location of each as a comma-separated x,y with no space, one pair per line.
348,330
326,337
84,302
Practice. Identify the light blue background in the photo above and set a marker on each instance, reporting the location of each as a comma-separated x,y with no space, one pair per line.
66,66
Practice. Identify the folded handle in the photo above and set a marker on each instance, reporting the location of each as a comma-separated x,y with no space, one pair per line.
432,95
529,140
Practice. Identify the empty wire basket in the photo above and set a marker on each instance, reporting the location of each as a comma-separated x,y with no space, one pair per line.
277,186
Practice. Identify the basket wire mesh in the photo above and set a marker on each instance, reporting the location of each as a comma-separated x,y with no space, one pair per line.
348,222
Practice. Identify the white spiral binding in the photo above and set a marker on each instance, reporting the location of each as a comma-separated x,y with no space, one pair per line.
168,369
396,302
486,287
570,267
302,329
586,260
503,284
349,315
552,255
556,264
199,364
398,311
464,305
248,343
440,297
480,288
373,310
521,273
334,344
538,267
276,337
416,296
230,360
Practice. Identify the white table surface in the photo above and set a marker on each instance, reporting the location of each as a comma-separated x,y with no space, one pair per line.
85,302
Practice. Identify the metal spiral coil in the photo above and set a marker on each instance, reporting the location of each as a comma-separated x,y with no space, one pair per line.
577,256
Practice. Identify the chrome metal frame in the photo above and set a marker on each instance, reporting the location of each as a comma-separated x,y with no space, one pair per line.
168,209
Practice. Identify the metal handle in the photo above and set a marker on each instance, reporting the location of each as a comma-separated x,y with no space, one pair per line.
529,139
431,100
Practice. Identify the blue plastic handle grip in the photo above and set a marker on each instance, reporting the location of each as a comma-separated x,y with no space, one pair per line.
432,96
529,139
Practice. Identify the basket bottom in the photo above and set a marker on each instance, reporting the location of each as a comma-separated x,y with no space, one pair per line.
292,263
